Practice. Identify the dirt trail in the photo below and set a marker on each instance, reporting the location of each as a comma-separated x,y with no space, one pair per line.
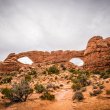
63,102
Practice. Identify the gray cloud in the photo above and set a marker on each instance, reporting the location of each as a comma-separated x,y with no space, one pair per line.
51,24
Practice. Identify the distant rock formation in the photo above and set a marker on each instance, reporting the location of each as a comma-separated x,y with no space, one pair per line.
96,56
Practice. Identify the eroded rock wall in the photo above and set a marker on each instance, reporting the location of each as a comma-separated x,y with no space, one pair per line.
96,56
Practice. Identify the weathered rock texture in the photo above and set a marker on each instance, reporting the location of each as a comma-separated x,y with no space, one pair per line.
96,56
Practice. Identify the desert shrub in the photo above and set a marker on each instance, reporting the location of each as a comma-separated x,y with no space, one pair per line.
52,86
95,92
66,77
71,77
83,89
76,86
63,67
53,70
82,79
78,96
47,96
103,74
28,78
18,93
101,86
108,71
44,72
6,79
75,80
80,72
72,71
107,81
96,72
39,88
32,72
95,87
13,73
7,92
108,92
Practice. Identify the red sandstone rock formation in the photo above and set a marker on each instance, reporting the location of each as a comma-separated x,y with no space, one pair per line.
53,57
96,56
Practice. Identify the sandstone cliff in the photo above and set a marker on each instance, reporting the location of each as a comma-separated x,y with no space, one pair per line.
96,56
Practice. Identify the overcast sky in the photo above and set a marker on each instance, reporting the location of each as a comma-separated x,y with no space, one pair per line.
51,24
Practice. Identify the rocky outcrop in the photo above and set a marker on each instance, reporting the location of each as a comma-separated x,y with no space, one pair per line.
96,56
39,58
52,57
10,64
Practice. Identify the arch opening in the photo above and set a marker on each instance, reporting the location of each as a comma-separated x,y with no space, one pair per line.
25,60
77,61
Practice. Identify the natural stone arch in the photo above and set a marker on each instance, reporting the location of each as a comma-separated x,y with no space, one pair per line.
25,60
77,61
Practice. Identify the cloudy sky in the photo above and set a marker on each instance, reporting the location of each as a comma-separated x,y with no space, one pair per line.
51,24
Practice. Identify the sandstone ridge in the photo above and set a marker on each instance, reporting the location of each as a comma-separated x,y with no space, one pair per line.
96,56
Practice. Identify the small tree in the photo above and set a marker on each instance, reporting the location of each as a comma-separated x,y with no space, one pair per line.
18,93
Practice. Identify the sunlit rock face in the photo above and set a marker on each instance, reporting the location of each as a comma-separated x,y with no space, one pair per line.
9,64
51,57
96,56
77,61
25,60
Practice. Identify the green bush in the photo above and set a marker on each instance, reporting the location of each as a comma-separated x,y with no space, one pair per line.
78,96
108,92
39,88
75,80
103,74
7,92
32,72
6,79
82,79
53,70
18,93
72,71
47,96
76,86
96,72
101,86
95,92
28,78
